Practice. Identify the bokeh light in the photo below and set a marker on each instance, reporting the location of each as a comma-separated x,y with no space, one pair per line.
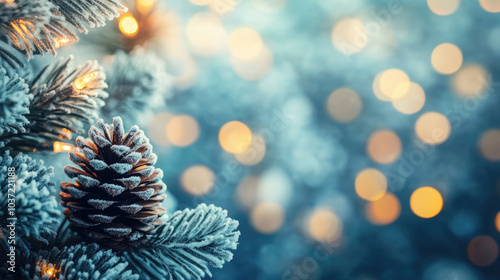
198,180
267,217
256,68
206,34
255,152
201,2
349,36
489,145
497,221
443,7
145,6
384,146
128,25
384,211
182,130
482,251
471,80
245,43
426,202
158,128
446,58
492,6
432,128
394,83
248,192
269,5
325,226
344,105
235,137
371,184
412,102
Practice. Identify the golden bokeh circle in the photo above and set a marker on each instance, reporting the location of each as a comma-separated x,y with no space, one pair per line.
325,226
235,137
370,184
198,180
446,58
471,80
245,43
344,105
433,128
267,217
349,36
492,6
384,146
384,211
412,102
489,145
394,83
182,130
443,7
426,202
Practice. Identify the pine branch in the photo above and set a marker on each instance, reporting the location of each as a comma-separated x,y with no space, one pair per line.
136,82
89,12
65,98
14,102
31,27
185,246
36,210
82,262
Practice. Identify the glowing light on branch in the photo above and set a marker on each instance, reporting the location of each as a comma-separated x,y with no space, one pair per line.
82,82
60,147
145,6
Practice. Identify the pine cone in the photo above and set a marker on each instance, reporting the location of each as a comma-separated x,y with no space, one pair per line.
117,195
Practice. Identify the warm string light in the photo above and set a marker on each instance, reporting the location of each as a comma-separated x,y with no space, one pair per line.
82,82
128,25
59,42
60,147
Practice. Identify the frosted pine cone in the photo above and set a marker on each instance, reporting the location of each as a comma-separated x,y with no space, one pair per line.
117,195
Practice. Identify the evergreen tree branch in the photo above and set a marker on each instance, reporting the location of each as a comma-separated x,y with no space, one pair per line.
92,13
185,246
14,102
65,98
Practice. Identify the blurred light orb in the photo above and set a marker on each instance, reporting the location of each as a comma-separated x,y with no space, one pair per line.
206,34
443,7
489,145
182,130
384,211
344,105
349,36
446,58
198,180
325,226
482,251
255,152
471,80
201,2
267,217
269,5
394,83
492,6
158,128
256,68
248,192
245,43
128,25
497,221
412,102
376,89
235,137
426,202
370,184
432,128
384,146
145,6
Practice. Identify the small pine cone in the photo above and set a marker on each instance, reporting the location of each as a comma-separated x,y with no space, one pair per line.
117,195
